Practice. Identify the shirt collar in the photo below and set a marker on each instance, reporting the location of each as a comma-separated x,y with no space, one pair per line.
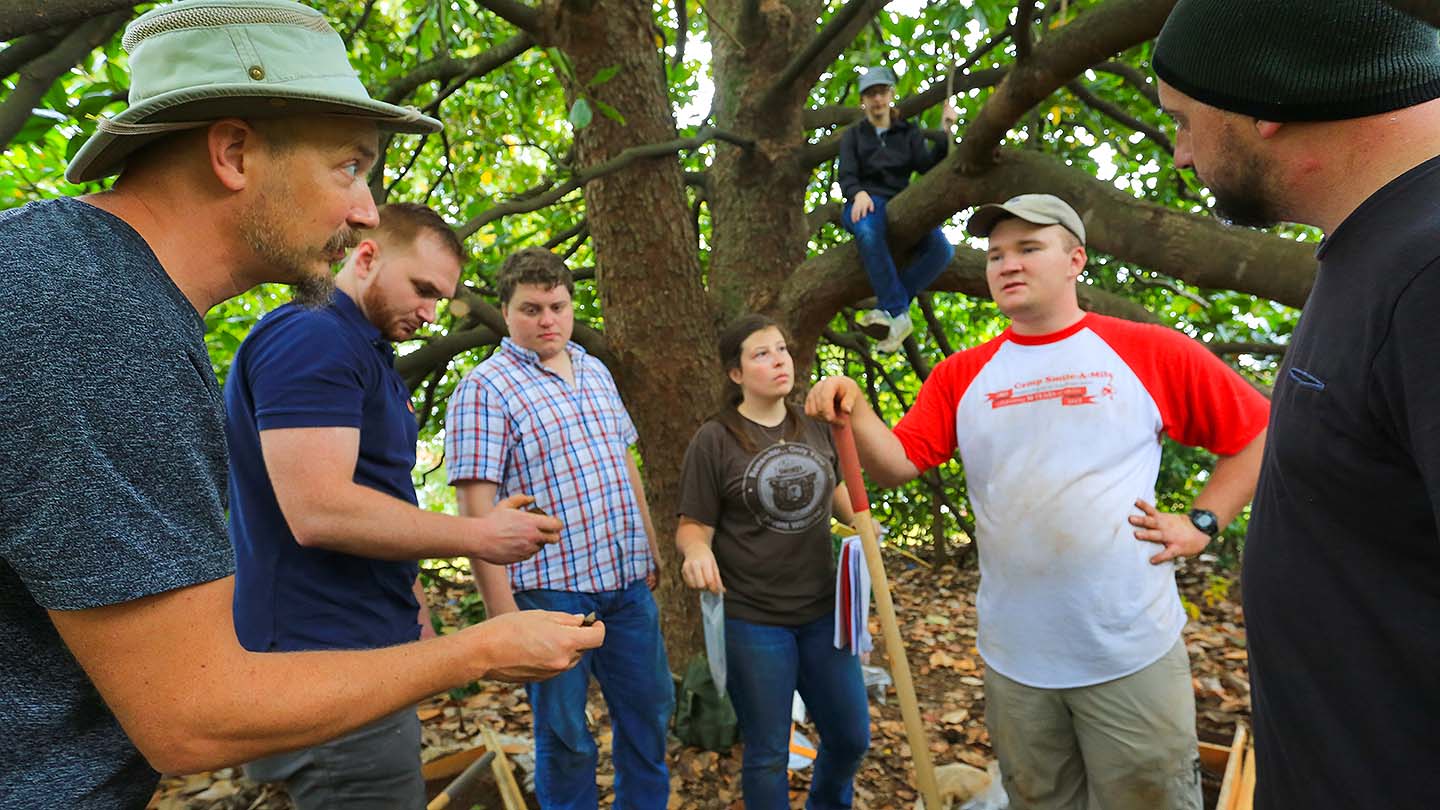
351,314
526,355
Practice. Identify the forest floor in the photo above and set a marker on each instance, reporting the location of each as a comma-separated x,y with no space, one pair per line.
937,620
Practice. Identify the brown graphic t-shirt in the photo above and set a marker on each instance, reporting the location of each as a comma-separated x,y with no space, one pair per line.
771,512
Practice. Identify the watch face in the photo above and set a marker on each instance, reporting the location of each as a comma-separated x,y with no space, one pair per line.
1205,521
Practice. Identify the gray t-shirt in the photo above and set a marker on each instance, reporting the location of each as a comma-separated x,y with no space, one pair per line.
112,481
770,509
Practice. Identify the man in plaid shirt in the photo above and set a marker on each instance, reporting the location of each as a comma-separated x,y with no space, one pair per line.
542,416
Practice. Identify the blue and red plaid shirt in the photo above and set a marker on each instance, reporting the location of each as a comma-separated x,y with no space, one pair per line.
521,426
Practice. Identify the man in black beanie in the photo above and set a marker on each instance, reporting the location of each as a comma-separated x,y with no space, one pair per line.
1325,113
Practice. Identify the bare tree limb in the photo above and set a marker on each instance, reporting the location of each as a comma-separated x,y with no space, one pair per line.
536,201
26,48
419,365
1176,289
812,155
833,37
937,329
570,233
359,21
19,17
1116,113
526,18
1136,78
39,74
682,31
449,69
1022,34
1092,37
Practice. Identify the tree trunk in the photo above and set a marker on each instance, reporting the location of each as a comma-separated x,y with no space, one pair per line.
658,320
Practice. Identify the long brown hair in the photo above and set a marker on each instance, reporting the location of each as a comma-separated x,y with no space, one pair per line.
731,339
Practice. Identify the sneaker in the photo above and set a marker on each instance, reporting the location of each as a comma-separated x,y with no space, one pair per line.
874,317
900,328
875,323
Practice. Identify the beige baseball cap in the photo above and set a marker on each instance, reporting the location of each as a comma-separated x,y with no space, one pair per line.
1038,209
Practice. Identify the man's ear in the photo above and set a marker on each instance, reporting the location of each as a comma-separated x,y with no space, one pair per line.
231,142
1267,129
736,375
1078,259
364,258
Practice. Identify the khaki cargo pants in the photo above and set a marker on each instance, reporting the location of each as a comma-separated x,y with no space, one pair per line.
1126,744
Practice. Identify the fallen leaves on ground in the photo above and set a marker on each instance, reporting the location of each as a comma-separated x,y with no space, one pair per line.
936,610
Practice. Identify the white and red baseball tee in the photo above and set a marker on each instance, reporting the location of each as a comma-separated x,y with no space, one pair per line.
1059,435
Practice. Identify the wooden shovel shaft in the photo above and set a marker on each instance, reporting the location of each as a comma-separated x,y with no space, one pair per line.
889,627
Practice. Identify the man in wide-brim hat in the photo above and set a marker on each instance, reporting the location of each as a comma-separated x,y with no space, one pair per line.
242,159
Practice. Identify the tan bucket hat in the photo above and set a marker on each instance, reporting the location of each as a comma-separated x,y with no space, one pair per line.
198,61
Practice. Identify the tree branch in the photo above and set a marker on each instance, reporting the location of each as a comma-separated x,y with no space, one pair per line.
814,154
359,22
39,74
937,329
541,199
827,213
26,48
448,68
1022,34
1089,39
834,36
682,31
419,365
18,17
1118,114
526,18
1137,79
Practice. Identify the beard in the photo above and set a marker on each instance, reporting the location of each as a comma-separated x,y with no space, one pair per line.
1243,194
306,270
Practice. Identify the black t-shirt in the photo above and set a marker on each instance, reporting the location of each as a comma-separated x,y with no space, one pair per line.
771,513
112,478
1342,564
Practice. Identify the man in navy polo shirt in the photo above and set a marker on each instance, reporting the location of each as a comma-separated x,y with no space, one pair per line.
323,511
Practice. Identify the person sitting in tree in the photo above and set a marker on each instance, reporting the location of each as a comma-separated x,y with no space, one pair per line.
877,156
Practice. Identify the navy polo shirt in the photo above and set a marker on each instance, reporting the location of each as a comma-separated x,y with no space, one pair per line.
306,368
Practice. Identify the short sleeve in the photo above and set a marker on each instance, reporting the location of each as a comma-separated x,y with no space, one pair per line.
927,431
477,431
1202,401
303,372
113,459
701,487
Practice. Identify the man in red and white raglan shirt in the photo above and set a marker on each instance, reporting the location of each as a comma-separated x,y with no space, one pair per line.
1058,423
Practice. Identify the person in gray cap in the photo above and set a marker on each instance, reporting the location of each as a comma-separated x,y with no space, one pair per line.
877,156
1058,423
242,159
1329,114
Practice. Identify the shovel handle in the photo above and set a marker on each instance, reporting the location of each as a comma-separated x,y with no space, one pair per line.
850,466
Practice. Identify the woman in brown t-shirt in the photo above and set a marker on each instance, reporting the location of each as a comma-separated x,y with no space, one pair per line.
760,483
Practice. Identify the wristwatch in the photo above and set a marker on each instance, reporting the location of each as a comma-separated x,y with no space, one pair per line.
1205,521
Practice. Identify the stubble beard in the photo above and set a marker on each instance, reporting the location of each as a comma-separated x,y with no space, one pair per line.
307,271
1246,198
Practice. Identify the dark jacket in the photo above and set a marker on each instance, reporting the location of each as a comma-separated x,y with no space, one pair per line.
883,164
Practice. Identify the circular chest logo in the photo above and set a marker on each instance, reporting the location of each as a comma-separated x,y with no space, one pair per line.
788,487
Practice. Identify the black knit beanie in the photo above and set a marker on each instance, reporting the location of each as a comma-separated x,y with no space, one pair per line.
1299,60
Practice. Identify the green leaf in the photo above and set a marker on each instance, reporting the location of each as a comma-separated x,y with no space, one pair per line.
580,114
562,63
603,75
609,112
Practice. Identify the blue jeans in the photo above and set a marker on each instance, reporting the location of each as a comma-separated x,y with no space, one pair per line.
634,676
766,665
894,288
